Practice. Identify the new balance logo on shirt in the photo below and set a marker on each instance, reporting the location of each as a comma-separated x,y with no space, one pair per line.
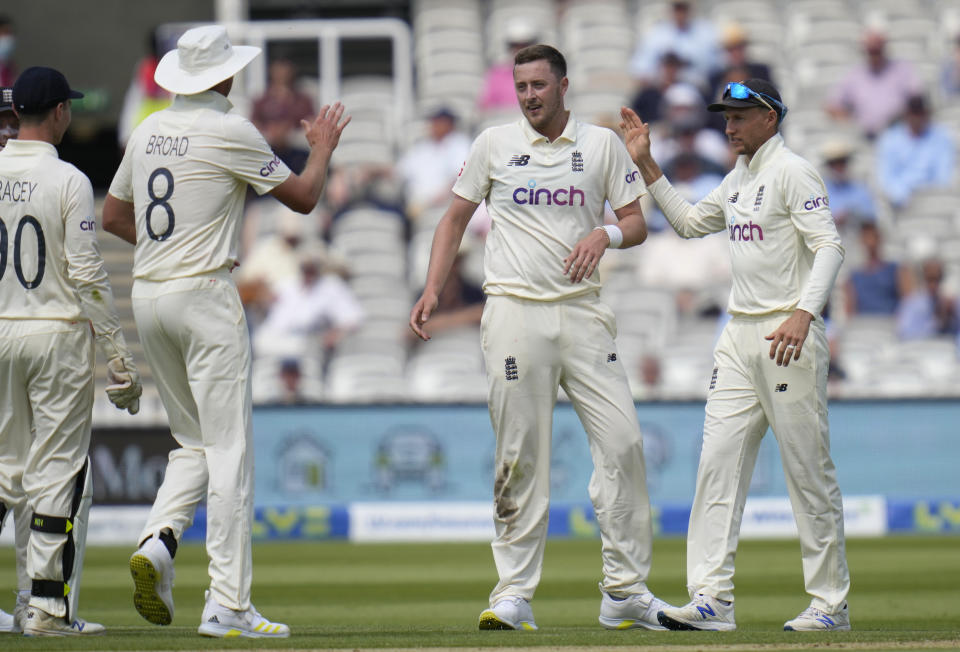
780,387
734,197
519,160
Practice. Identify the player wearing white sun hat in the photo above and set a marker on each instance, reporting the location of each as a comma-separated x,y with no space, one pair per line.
178,196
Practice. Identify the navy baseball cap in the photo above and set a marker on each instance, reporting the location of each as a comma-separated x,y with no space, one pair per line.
749,93
39,88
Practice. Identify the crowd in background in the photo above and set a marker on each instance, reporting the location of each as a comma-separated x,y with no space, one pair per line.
678,65
299,289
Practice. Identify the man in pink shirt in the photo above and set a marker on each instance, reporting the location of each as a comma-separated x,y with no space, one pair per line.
874,93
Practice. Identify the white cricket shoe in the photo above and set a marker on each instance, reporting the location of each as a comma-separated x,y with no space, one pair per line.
37,622
20,610
812,619
221,622
703,612
8,623
509,613
633,612
152,570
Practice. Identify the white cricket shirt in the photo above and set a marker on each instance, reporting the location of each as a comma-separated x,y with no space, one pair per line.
776,214
50,262
543,197
186,170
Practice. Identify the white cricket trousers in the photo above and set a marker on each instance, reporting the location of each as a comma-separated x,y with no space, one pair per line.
531,348
194,336
46,401
748,393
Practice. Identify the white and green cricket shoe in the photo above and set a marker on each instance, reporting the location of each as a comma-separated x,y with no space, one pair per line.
509,613
222,622
637,611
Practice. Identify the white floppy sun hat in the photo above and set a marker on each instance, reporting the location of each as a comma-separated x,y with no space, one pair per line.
203,58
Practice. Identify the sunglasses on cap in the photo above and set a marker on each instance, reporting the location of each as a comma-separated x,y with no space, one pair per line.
740,91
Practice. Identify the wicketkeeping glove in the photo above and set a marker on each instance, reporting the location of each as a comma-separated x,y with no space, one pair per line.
123,388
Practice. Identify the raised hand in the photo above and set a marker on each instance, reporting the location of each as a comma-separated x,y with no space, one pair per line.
636,134
326,128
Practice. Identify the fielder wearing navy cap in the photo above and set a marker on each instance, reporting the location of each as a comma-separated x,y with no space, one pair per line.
750,93
38,89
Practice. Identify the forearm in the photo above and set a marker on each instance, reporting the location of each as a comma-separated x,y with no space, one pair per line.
119,219
315,173
674,207
826,266
443,251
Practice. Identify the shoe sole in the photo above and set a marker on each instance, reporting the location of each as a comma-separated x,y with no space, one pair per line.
145,597
222,631
680,626
59,633
489,621
787,628
630,624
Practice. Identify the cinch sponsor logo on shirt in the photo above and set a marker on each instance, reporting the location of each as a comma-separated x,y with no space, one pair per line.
745,232
268,169
815,202
632,176
88,225
537,196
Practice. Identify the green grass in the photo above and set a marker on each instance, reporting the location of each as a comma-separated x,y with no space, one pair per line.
906,594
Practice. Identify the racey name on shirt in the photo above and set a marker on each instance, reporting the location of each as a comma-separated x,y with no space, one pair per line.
18,190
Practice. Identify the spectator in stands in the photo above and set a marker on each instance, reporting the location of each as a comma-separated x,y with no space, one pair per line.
318,308
877,286
928,311
950,74
693,39
736,68
683,129
851,201
735,43
430,167
278,112
648,101
914,153
291,378
8,41
498,93
144,96
460,302
874,93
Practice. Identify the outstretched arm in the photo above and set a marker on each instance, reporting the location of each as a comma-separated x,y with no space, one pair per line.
301,192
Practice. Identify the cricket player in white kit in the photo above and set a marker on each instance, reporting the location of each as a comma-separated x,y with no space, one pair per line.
53,287
770,363
178,196
19,511
545,179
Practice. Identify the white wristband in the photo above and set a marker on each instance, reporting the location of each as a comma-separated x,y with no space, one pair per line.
614,234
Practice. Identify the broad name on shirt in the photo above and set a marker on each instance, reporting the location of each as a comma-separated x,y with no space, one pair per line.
17,190
161,145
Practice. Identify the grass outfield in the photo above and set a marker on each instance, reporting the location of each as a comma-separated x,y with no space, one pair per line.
906,595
